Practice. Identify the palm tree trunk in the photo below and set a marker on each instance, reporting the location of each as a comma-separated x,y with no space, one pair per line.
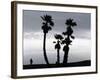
65,60
58,56
44,49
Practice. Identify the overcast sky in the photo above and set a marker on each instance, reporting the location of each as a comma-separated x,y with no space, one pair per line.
33,36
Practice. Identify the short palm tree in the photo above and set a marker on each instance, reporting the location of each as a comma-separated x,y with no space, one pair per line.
46,27
58,37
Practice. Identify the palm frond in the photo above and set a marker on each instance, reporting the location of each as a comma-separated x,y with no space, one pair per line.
42,18
70,22
74,24
63,42
54,41
58,36
72,37
47,24
52,23
49,28
64,33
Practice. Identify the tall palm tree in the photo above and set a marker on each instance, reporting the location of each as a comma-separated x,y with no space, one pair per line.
58,46
47,26
68,36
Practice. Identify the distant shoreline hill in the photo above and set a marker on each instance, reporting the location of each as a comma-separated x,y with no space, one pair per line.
73,64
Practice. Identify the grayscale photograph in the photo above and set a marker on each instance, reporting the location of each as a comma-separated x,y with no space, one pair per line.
53,39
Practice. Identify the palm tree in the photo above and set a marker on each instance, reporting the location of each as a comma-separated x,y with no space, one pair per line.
47,26
68,36
58,46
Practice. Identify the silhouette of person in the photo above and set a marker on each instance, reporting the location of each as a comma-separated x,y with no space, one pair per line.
31,61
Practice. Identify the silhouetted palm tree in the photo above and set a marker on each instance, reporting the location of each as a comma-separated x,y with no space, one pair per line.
47,26
58,46
67,40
